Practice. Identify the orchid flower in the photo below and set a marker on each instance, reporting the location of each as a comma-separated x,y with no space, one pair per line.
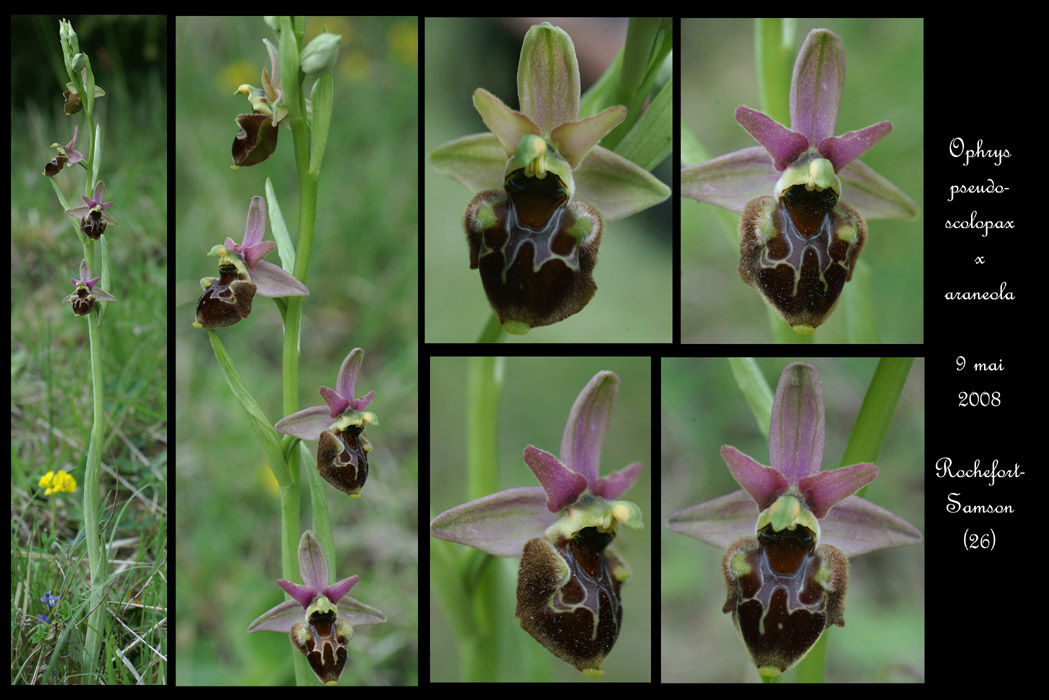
546,188
93,215
66,156
257,138
320,617
87,292
243,274
803,194
338,426
568,581
789,530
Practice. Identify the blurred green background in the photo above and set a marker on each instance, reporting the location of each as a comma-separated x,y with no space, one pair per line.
633,272
50,360
363,287
537,395
884,80
703,409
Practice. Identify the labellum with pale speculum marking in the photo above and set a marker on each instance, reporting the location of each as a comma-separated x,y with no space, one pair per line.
322,639
338,426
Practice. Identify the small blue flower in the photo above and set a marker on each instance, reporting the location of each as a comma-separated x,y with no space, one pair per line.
51,601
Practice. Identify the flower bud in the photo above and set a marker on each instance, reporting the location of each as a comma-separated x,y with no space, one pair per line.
320,55
79,63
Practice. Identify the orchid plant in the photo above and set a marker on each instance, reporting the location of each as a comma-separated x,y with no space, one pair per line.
803,194
569,578
90,225
321,632
788,533
543,186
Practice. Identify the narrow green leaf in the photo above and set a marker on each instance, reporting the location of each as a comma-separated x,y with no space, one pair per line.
755,390
485,381
879,405
602,93
640,36
97,158
280,230
321,101
649,140
290,78
861,326
260,425
774,57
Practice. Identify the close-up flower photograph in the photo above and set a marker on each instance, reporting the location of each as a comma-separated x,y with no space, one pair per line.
89,350
803,482
547,177
807,170
297,350
540,505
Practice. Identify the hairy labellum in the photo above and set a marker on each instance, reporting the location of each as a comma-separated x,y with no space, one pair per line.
256,140
322,638
82,301
568,597
342,458
799,251
783,591
535,250
226,299
55,165
73,103
92,224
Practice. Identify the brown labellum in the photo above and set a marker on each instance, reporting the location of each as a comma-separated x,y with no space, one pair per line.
226,300
783,591
568,597
323,639
342,459
798,252
535,250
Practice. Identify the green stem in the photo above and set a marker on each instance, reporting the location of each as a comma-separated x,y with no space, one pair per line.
492,331
96,562
879,405
291,76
